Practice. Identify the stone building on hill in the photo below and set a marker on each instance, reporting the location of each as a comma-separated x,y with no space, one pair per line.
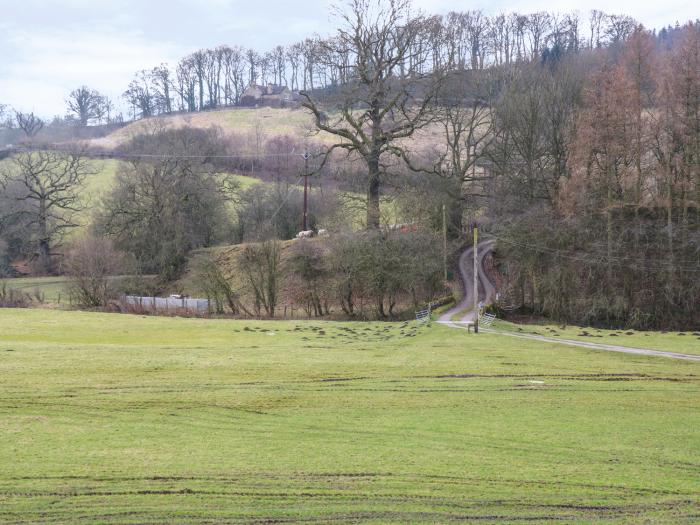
270,95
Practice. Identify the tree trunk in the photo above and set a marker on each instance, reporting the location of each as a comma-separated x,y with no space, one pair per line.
669,225
373,212
609,230
44,241
201,93
380,307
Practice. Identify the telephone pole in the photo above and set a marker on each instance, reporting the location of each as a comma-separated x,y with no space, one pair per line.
304,226
476,280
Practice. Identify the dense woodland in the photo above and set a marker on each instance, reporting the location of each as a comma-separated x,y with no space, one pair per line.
602,222
575,144
459,41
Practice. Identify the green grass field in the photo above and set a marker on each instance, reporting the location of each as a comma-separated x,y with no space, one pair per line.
54,291
51,289
125,419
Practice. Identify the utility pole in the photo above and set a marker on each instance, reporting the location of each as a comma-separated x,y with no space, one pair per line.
444,242
304,226
476,280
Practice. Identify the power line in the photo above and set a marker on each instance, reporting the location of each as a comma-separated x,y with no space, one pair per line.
167,156
662,265
157,155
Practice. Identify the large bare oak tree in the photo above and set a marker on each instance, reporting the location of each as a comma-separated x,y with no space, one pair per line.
385,100
85,104
47,184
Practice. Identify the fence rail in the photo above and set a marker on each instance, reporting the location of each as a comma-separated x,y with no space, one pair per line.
486,319
423,316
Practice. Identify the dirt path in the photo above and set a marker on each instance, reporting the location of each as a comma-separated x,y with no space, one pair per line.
583,344
487,294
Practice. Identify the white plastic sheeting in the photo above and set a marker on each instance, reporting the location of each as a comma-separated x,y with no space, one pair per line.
167,303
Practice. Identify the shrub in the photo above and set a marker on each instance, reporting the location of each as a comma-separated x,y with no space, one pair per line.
93,264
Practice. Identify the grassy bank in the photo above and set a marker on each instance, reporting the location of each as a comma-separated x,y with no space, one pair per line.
126,419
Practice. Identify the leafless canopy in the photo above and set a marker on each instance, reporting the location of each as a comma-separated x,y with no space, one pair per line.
85,104
47,184
29,123
385,98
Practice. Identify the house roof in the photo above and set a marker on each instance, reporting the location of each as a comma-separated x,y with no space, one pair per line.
263,91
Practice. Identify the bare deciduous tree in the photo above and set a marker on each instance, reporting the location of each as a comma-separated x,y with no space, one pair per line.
84,103
234,74
29,123
260,264
5,118
379,106
49,183
308,263
186,84
253,60
466,119
162,84
210,278
161,208
93,264
140,95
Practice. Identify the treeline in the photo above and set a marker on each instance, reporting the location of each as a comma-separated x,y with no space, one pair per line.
169,198
459,41
470,40
362,275
580,154
172,193
594,179
176,200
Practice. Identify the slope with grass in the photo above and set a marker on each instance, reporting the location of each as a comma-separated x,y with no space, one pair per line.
264,120
125,419
101,181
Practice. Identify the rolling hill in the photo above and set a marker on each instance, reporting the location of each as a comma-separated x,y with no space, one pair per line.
268,121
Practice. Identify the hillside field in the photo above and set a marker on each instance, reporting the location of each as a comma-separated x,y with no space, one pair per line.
268,121
102,178
124,419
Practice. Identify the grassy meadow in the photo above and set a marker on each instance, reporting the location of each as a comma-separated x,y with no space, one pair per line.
51,289
109,418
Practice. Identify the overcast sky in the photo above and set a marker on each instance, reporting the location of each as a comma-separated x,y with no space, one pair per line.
48,47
